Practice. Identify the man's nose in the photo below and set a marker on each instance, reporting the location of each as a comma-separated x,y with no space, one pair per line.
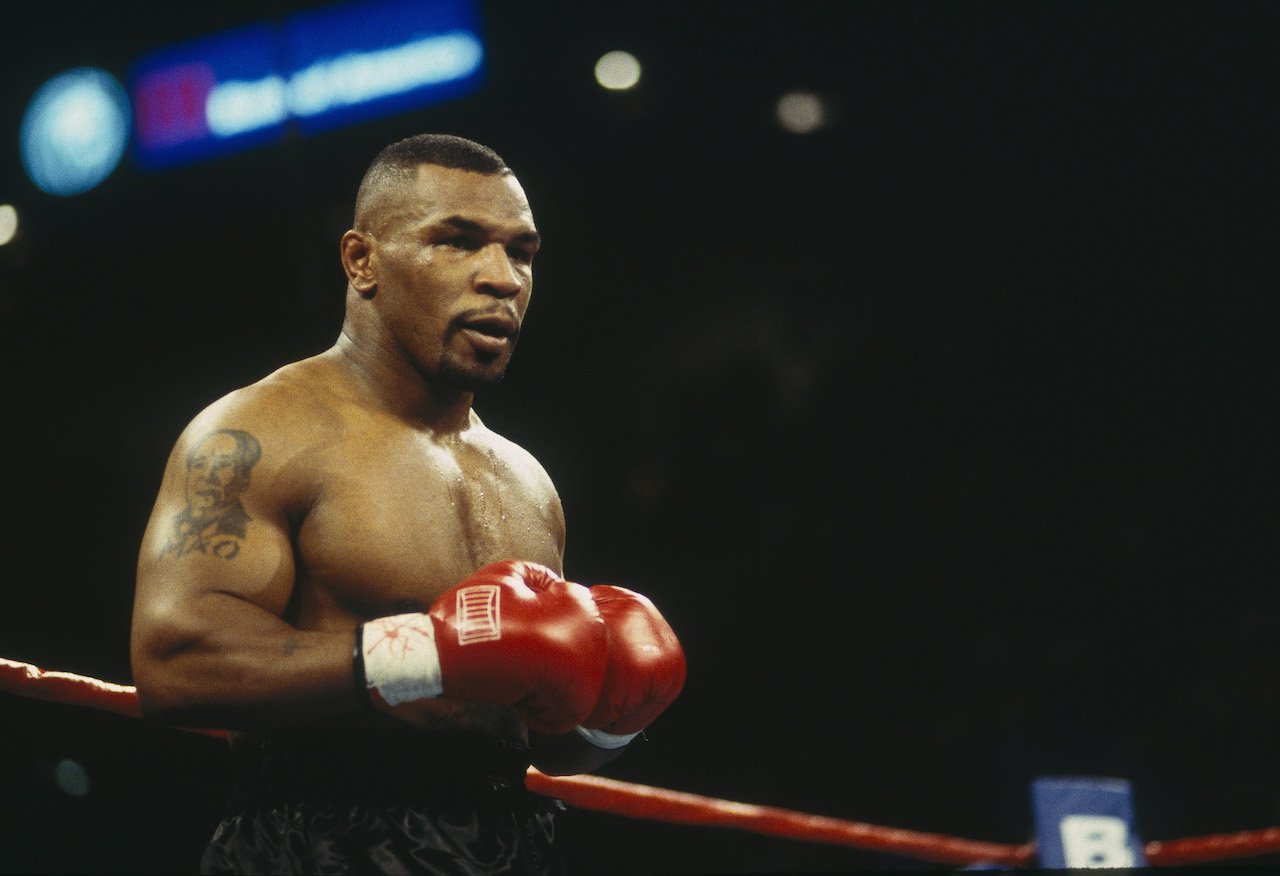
496,275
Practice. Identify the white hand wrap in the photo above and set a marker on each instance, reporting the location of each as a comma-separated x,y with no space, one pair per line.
400,658
609,741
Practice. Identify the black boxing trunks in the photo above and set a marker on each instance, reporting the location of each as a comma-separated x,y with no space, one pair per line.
364,802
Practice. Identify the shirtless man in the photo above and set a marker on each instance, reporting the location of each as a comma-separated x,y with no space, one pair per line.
347,569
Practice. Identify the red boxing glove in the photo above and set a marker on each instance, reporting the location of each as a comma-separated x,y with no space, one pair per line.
646,668
513,634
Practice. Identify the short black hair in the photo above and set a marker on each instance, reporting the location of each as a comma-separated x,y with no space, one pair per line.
445,150
402,158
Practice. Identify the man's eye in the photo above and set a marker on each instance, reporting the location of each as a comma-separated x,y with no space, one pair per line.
522,256
466,243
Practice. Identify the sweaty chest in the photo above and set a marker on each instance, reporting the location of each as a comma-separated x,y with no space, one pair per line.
403,527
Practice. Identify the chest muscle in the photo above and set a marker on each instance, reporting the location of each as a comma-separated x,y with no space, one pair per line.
404,529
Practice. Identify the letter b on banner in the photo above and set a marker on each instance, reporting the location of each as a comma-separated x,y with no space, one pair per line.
1095,841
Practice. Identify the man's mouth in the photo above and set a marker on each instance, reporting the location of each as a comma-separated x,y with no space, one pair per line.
492,333
494,326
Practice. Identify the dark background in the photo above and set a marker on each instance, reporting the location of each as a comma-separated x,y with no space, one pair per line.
939,434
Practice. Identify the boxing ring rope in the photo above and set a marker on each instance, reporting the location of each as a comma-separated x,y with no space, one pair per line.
675,807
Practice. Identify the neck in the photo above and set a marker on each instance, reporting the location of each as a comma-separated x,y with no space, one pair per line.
392,383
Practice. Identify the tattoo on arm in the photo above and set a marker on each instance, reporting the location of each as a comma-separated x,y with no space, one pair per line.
213,522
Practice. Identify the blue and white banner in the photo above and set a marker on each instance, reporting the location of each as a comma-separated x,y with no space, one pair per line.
317,70
1085,822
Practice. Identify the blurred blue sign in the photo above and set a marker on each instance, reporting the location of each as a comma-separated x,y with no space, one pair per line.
317,70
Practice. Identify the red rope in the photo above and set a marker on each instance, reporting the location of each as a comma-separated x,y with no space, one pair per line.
1202,849
675,807
63,687
75,690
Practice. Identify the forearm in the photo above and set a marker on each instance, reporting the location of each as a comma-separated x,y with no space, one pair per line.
227,664
224,663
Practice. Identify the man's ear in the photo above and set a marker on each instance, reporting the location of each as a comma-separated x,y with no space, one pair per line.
356,252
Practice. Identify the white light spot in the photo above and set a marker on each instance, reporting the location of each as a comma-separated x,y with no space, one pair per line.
617,71
8,223
801,112
75,131
71,778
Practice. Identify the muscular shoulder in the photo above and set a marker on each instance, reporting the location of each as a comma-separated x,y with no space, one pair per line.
521,463
291,405
272,427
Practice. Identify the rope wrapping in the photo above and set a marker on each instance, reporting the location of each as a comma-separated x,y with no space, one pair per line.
676,807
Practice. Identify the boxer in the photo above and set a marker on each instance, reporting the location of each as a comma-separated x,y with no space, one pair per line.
349,570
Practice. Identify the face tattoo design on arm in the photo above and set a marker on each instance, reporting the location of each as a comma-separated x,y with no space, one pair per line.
217,473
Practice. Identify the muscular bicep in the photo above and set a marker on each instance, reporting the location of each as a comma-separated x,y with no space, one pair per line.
218,531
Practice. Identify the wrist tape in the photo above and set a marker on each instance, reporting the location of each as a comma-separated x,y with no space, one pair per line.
399,658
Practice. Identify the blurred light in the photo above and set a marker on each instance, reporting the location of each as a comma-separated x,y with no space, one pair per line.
316,70
617,71
8,223
75,131
357,78
234,107
71,778
801,112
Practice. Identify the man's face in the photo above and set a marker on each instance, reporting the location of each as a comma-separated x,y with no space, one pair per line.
211,471
453,252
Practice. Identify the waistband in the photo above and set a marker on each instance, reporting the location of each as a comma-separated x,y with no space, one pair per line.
381,766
